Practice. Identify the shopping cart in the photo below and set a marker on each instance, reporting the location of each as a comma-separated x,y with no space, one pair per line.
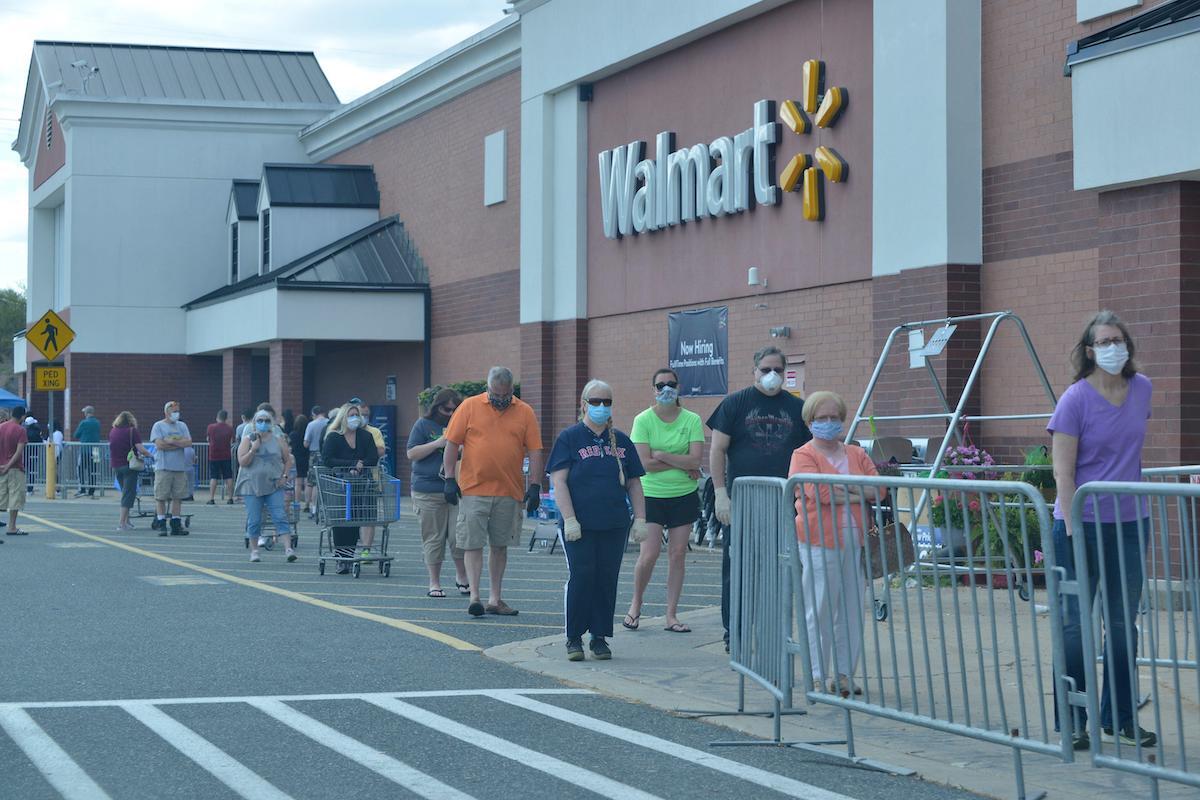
352,498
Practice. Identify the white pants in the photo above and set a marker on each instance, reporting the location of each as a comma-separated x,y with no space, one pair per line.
833,586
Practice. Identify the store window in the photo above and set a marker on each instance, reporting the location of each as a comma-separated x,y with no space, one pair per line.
266,241
233,253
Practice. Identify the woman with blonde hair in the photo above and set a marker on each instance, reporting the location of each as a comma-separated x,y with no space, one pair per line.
124,440
594,469
829,532
346,444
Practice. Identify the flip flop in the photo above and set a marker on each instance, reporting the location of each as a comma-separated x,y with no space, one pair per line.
435,593
678,627
631,622
16,532
463,588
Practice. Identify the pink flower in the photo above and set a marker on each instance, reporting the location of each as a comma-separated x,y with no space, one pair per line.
1038,556
973,505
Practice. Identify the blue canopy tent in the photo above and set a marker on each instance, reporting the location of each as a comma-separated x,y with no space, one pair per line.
9,400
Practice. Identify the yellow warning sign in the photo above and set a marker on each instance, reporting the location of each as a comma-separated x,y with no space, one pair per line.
49,377
50,335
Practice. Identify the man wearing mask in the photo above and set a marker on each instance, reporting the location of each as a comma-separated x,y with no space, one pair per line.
313,435
755,431
171,469
495,431
88,432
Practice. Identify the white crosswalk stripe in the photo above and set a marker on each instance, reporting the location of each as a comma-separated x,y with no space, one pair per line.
73,783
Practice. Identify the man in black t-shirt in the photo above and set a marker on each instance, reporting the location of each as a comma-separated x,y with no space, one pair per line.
756,429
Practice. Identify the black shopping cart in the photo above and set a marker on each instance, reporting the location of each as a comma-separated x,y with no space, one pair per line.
352,498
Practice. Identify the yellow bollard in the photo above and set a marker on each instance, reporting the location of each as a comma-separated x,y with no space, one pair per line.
51,471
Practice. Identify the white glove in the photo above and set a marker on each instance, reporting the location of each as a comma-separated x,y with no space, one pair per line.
724,511
638,532
571,530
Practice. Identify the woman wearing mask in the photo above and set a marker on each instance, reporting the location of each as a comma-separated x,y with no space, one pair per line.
438,518
1099,429
669,439
346,444
594,468
124,439
829,529
300,453
263,460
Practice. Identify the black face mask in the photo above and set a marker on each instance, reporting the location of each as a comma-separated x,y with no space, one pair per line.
499,403
441,417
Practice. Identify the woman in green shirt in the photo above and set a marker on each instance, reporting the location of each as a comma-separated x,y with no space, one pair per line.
669,439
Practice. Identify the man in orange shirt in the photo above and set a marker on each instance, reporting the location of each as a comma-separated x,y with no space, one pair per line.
494,431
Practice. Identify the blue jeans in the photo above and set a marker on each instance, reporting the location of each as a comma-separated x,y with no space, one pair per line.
254,514
1123,595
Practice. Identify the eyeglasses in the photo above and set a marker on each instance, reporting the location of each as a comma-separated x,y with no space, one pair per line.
663,384
1110,340
599,401
765,370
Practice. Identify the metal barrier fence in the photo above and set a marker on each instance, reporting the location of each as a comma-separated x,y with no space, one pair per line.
1144,577
84,467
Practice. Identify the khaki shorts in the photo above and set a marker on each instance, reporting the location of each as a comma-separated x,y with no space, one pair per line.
438,521
12,490
494,521
170,484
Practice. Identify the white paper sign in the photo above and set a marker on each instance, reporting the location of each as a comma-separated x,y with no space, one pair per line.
916,349
937,342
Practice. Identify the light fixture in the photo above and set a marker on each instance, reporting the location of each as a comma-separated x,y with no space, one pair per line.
753,279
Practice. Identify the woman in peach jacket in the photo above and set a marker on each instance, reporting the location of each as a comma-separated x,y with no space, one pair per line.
829,531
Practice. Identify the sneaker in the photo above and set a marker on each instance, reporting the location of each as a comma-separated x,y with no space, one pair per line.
158,524
600,650
1130,736
176,526
80,493
254,556
291,554
125,526
1081,741
365,554
211,503
262,541
229,502
575,650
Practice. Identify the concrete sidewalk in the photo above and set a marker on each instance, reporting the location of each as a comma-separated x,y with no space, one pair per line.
691,671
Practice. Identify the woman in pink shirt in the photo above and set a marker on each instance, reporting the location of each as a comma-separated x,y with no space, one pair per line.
1098,429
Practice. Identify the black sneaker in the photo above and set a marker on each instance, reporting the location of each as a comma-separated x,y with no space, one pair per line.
176,526
158,524
575,649
600,650
1130,736
1081,741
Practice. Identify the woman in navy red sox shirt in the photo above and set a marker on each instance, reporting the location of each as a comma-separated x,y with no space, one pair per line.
594,468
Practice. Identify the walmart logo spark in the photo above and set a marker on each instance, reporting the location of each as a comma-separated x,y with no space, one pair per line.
809,171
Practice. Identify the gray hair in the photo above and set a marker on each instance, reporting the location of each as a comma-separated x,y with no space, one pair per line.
89,410
500,376
590,386
769,350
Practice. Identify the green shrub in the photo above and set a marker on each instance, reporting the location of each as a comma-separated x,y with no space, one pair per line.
465,388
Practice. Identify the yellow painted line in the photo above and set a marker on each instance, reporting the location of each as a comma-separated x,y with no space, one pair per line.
399,624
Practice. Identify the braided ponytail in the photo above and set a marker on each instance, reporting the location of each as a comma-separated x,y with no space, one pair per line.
612,442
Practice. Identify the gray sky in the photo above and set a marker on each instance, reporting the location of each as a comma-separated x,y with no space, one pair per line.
359,43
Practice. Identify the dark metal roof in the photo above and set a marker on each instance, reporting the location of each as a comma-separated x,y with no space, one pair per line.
190,74
1167,21
245,198
324,185
379,256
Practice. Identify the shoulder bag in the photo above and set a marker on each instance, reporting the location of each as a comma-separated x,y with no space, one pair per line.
887,550
135,461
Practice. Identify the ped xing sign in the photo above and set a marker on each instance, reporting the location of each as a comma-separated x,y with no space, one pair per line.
50,335
50,377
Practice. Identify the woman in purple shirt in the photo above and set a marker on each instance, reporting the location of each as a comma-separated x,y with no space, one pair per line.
1098,428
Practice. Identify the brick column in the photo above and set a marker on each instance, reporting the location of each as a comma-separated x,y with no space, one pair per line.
235,381
554,368
1149,274
287,375
913,295
537,370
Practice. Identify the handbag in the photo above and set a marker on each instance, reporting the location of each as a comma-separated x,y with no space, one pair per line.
135,462
888,550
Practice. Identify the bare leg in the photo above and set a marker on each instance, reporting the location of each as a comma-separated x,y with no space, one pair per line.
212,490
229,488
368,535
644,569
12,519
123,519
435,575
677,542
473,559
497,561
176,508
460,569
161,507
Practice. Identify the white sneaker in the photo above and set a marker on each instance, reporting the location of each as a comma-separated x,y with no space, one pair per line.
254,556
262,541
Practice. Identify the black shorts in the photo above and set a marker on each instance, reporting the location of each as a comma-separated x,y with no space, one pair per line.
220,470
673,512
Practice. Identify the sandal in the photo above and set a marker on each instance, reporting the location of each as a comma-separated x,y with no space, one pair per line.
631,622
678,627
435,593
463,588
15,532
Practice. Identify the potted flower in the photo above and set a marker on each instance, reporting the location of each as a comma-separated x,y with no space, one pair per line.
1040,473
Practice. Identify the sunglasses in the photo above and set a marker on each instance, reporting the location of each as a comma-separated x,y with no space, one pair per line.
599,401
663,384
765,370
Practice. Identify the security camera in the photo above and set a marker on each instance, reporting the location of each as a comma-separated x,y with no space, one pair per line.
80,64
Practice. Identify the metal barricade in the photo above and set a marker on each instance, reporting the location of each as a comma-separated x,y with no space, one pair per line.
1121,567
84,468
959,653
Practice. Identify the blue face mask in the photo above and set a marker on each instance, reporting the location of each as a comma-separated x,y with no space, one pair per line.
261,425
667,396
826,430
599,414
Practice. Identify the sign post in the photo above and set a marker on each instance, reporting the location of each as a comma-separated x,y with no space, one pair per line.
50,336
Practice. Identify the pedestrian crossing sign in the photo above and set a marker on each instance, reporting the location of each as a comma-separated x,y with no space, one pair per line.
50,335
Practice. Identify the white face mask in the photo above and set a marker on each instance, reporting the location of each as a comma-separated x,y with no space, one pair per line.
1112,358
353,422
174,416
771,381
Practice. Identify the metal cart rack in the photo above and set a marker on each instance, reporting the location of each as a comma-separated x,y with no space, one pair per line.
954,417
351,498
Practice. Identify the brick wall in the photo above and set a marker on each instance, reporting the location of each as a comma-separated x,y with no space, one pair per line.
488,303
287,375
236,392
